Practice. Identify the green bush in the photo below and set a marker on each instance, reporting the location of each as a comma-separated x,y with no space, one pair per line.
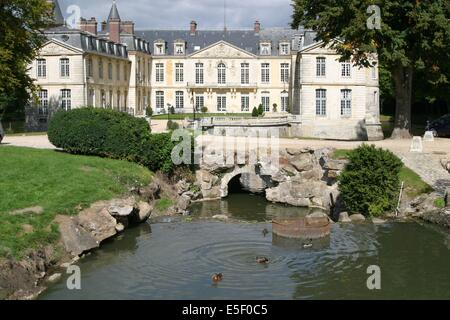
255,113
157,153
260,110
100,132
149,112
370,183
172,125
204,110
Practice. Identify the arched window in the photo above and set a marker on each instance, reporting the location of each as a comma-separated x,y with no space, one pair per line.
221,74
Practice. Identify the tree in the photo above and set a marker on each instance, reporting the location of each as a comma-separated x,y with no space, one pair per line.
21,22
255,113
413,36
149,112
260,110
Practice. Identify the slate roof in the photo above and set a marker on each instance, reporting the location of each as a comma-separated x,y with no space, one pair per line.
58,17
114,13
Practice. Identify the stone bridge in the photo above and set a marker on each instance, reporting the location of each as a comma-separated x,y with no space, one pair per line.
299,177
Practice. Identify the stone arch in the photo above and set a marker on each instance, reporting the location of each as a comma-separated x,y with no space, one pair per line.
229,176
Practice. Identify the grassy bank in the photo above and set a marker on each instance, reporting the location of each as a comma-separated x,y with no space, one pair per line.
59,183
414,185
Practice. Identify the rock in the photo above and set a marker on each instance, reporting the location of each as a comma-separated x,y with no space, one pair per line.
334,165
144,212
303,162
183,202
120,227
30,210
440,217
357,218
317,219
65,265
120,210
100,224
150,192
54,277
76,240
182,186
220,217
378,221
446,164
344,218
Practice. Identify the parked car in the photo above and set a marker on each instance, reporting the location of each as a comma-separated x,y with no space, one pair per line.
440,127
2,133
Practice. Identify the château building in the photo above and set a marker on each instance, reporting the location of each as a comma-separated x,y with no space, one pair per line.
224,71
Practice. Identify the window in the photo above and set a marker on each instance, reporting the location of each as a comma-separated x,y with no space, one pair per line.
66,102
245,103
103,97
221,103
321,102
199,102
346,69
110,71
265,73
265,101
100,69
179,72
125,73
199,78
159,72
245,73
160,48
284,49
346,102
43,102
179,49
265,49
118,71
284,101
374,72
221,74
160,100
285,72
64,67
179,99
90,68
320,67
42,68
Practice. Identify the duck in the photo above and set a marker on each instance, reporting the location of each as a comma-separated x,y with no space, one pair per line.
262,260
308,245
217,277
265,232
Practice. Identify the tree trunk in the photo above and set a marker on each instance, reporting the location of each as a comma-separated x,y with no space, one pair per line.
403,77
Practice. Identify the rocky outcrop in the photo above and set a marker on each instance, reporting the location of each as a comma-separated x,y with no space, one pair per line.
440,217
446,164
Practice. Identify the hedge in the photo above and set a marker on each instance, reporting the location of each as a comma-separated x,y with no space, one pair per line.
370,183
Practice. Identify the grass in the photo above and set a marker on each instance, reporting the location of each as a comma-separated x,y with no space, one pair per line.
414,185
439,203
163,204
182,116
59,183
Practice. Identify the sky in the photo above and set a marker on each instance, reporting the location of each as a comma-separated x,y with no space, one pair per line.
160,14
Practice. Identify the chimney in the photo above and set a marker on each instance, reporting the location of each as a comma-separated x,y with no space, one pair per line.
114,30
104,24
128,27
257,27
193,28
89,25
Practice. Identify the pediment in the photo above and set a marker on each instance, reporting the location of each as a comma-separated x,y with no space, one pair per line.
222,50
55,47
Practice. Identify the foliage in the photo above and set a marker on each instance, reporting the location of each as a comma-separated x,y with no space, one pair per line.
255,113
260,110
370,183
171,110
156,153
149,112
61,184
439,203
204,110
172,125
163,204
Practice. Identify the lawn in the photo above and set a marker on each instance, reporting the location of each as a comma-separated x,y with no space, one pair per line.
59,183
182,116
414,185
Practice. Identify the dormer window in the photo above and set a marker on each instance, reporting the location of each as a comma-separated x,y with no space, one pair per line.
179,48
266,49
285,48
160,48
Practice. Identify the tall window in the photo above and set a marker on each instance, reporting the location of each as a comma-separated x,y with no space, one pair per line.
179,99
265,101
199,78
179,72
66,99
321,67
285,72
159,99
159,72
265,73
245,103
346,102
245,73
221,74
118,71
43,102
64,67
89,67
346,69
284,49
373,71
321,102
110,71
41,68
199,102
284,101
100,68
221,103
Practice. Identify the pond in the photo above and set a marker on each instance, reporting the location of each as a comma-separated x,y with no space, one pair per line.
170,258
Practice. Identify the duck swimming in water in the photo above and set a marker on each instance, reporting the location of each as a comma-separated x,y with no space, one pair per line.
262,260
265,232
217,277
308,245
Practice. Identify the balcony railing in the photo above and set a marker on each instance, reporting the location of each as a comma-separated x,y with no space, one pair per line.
243,121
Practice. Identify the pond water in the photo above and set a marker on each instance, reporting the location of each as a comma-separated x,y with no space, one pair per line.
162,260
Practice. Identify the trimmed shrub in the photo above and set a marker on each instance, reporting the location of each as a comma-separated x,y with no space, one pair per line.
260,110
204,110
255,113
149,112
370,183
157,153
100,132
172,125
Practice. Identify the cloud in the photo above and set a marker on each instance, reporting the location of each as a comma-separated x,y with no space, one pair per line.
148,14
